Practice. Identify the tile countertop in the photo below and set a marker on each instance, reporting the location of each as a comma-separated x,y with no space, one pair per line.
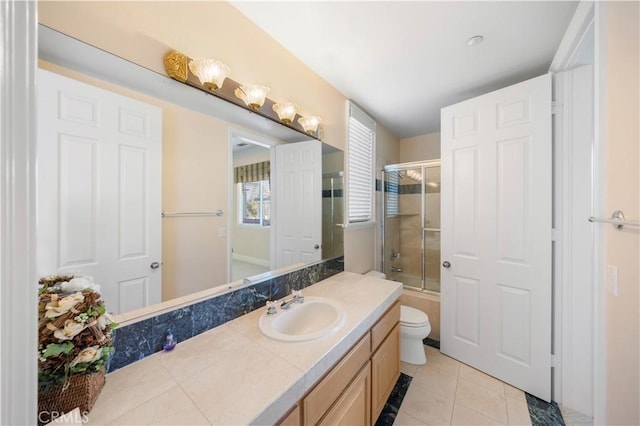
233,374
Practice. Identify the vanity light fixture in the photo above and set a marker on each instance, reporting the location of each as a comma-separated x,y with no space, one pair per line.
210,72
411,174
208,75
310,124
286,111
253,95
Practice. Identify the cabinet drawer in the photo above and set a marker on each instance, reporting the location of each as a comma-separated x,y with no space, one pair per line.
329,389
384,326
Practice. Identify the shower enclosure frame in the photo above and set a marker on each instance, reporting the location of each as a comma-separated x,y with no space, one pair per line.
423,165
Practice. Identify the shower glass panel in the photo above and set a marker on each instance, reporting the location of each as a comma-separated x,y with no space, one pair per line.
432,228
411,243
332,215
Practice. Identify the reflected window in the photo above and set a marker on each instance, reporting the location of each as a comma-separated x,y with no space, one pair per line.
254,203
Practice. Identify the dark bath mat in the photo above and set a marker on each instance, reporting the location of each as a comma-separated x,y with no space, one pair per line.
431,342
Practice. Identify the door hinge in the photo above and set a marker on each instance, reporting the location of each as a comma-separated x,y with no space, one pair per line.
556,107
555,360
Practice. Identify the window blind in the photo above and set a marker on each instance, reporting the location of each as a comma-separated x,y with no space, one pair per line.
252,172
360,149
391,190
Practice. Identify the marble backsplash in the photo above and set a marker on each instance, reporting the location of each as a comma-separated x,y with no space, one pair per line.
136,341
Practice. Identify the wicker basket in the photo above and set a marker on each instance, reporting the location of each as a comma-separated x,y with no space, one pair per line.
81,392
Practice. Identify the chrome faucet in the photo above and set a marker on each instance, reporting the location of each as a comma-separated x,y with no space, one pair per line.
297,297
271,308
395,269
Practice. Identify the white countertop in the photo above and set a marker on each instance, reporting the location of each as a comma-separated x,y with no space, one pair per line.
233,374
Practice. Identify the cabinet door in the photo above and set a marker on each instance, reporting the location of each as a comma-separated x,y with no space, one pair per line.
354,406
316,404
291,419
385,370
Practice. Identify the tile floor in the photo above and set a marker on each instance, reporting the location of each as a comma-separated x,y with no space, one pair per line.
447,392
241,269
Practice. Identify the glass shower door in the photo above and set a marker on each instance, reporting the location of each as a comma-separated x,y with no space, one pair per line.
431,230
411,229
403,226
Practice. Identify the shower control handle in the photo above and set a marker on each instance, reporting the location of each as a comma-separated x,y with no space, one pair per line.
446,264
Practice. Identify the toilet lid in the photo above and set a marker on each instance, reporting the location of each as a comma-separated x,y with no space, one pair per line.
412,316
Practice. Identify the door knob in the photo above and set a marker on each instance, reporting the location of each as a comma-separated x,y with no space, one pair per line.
316,246
155,265
446,264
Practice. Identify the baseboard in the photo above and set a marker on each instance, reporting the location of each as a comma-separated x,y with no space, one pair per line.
249,259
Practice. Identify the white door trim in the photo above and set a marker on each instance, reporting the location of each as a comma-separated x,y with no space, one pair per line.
18,291
266,142
599,179
586,19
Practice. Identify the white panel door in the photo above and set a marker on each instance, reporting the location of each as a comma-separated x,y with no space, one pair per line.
496,234
299,203
99,199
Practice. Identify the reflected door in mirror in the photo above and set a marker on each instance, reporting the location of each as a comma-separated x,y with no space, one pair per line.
299,203
99,210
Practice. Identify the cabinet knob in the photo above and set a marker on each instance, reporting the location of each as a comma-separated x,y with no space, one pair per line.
446,264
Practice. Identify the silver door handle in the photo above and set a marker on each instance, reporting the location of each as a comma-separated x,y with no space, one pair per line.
446,264
316,246
155,265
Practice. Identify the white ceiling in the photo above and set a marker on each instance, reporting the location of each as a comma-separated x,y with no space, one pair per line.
403,61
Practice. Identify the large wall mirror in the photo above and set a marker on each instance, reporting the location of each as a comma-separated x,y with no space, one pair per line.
216,182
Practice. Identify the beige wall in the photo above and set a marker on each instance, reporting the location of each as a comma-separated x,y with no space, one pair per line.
144,31
387,153
622,136
420,148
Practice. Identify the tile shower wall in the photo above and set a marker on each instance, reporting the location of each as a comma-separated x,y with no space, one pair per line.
136,341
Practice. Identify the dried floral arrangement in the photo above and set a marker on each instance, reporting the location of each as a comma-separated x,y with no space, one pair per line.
75,330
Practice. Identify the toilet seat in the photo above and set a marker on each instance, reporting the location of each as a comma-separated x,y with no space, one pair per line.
411,317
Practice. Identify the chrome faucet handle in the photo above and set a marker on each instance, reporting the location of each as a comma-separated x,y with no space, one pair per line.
297,296
271,308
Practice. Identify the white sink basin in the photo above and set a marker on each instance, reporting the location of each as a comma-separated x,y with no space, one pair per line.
315,318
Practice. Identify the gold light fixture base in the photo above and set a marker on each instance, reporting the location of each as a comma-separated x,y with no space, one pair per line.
211,86
254,107
175,63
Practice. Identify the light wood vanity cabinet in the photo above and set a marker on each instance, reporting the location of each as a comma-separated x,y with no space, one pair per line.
294,418
354,405
357,387
325,393
385,370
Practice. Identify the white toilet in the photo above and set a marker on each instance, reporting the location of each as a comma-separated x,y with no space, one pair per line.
414,327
